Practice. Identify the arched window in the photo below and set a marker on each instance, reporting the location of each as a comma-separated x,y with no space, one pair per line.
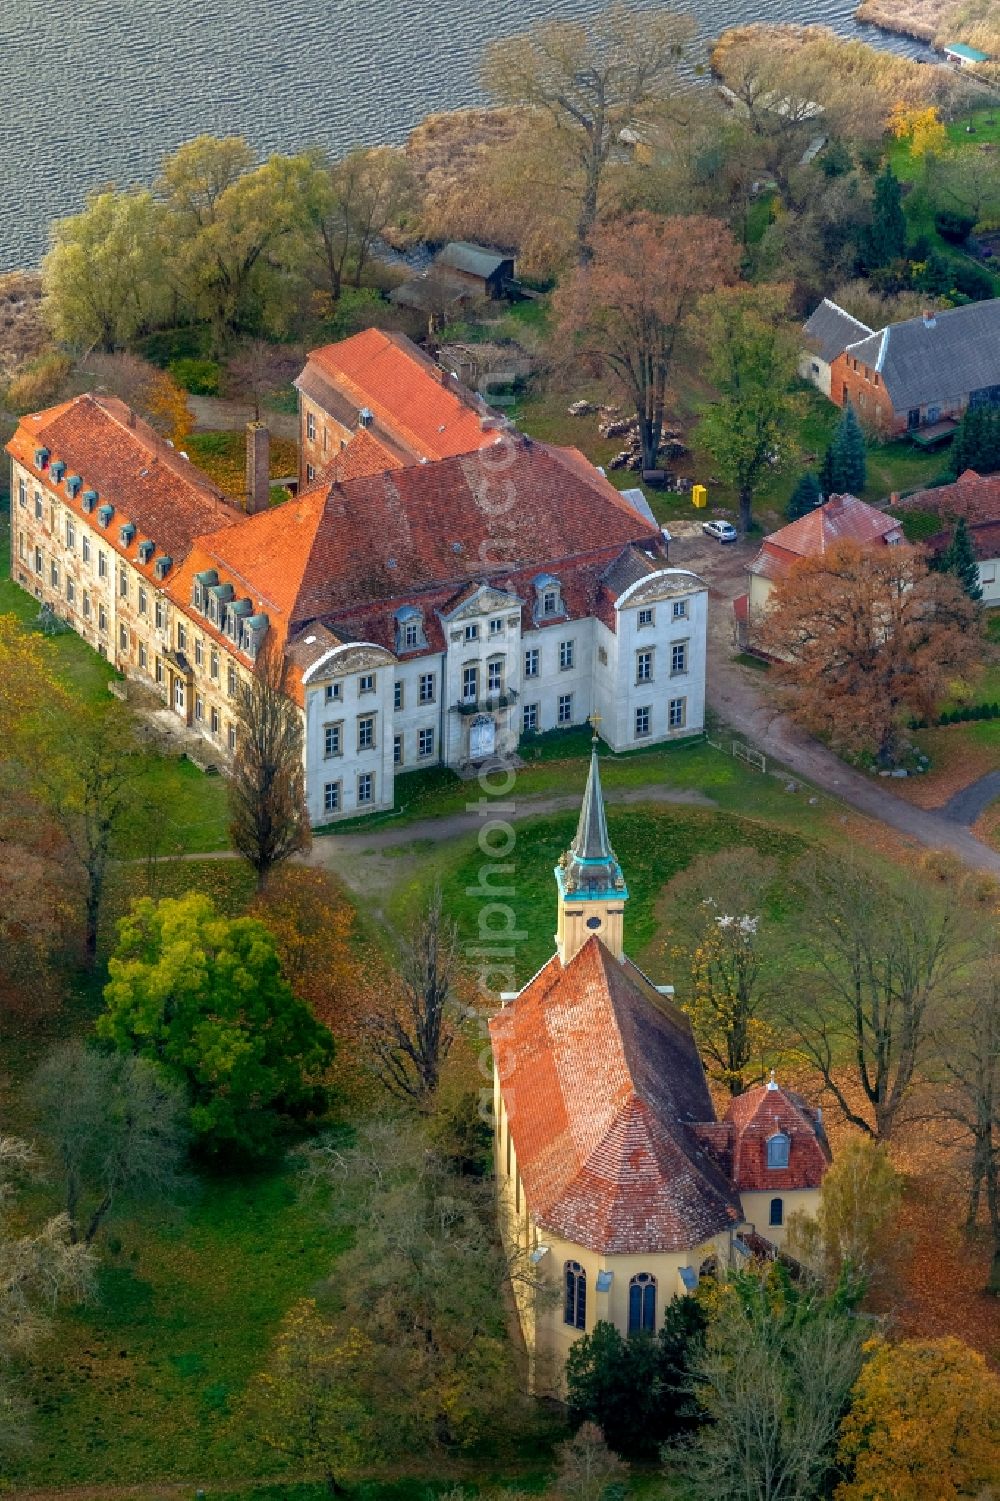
777,1215
641,1303
575,1310
777,1150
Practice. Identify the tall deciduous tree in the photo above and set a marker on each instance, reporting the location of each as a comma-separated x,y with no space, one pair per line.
592,83
865,639
115,1124
267,812
752,355
411,1039
103,277
625,310
350,203
878,963
203,996
924,1421
855,1226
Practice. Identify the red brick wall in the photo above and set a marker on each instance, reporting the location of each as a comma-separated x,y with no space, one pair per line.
870,401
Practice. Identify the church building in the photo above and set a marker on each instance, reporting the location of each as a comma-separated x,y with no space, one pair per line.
615,1176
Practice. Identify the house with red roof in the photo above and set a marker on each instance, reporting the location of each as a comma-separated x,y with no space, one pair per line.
616,1180
427,613
975,499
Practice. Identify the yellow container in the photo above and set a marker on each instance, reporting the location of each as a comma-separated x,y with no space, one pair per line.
699,496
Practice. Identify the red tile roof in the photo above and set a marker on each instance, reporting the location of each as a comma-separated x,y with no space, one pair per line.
984,536
841,517
415,401
974,496
763,1112
167,500
364,455
601,1082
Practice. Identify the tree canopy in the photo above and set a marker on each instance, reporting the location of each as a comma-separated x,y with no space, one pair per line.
203,996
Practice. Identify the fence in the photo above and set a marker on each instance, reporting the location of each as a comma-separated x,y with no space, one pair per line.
744,752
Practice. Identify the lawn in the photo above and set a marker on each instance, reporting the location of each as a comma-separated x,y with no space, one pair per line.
222,456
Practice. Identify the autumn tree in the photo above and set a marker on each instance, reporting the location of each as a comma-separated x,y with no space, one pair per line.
866,639
116,1126
268,821
307,1402
924,1421
752,355
779,1363
625,311
877,963
920,127
855,1225
426,1279
40,1269
591,83
103,276
350,203
586,1469
203,996
258,369
411,1039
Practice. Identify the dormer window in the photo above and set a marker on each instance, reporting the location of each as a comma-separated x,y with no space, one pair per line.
252,634
41,457
548,597
57,470
202,583
410,629
73,484
777,1150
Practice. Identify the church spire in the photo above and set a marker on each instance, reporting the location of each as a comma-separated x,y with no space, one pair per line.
592,889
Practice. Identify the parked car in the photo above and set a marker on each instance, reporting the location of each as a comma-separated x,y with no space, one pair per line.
722,531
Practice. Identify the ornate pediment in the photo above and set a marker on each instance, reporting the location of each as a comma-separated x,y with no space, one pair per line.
665,583
484,600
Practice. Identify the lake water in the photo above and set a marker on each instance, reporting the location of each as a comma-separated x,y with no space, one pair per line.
98,90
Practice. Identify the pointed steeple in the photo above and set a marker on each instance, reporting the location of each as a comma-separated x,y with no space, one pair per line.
592,888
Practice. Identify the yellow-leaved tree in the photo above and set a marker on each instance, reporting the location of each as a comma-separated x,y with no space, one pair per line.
924,1421
922,128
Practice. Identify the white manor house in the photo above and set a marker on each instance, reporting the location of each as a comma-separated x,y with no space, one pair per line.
430,610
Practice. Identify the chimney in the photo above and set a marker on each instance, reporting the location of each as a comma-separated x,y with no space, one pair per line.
258,467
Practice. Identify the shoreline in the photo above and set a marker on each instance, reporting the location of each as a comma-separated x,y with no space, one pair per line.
936,23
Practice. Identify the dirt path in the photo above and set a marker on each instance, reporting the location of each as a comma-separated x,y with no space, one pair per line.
970,802
737,696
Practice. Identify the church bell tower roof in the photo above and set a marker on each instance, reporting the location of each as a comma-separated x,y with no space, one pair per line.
589,869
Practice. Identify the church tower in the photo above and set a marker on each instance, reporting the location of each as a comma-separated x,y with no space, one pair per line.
592,892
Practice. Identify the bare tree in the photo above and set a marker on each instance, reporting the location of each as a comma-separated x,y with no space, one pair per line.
878,958
593,83
267,812
257,370
410,1039
350,204
116,1125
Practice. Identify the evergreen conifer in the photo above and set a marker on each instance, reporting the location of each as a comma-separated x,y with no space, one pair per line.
845,468
806,496
959,558
886,238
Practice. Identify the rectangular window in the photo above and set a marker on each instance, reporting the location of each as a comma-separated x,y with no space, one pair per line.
143,661
199,652
143,601
680,609
38,506
331,797
645,617
54,575
531,660
158,614
22,492
472,631
311,426
38,560
86,607
22,547
494,677
310,473
426,693
565,655
425,743
366,787
397,750
231,737
678,658
214,720
70,533
182,637
550,602
644,666
70,589
102,618
470,684
496,627
231,680
102,565
366,682
214,664
642,721
199,707
332,740
366,732
677,713
565,710
397,696
123,584
85,549
529,718
334,691
123,637
411,635
158,674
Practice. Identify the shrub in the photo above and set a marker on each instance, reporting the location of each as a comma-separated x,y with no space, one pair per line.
200,377
953,226
39,385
